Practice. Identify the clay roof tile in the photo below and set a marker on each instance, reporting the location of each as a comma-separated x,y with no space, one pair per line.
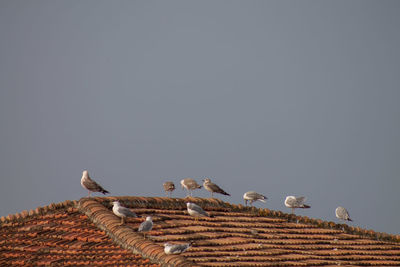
237,235
154,248
43,233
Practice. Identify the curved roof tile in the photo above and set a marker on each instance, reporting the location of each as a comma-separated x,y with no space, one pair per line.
87,232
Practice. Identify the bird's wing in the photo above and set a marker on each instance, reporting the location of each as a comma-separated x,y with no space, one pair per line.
347,214
254,195
198,209
93,186
127,212
215,188
191,184
179,248
261,197
145,226
300,200
342,213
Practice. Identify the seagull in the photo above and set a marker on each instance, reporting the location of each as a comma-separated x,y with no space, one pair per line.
196,211
122,212
168,188
295,202
253,196
146,226
90,185
342,214
190,185
213,188
176,248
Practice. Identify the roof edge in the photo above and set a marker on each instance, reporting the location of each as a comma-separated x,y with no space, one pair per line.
38,211
125,236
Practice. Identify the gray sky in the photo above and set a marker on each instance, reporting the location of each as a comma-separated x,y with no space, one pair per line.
281,97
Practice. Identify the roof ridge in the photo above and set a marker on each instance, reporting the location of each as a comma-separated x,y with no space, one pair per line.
38,211
207,203
124,235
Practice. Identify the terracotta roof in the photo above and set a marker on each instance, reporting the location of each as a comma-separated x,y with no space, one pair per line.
234,236
59,235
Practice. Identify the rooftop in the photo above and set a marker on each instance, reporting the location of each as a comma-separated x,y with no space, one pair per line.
86,232
59,235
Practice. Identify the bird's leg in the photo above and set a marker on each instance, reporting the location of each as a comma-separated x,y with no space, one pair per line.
89,193
245,202
292,210
190,192
212,194
122,221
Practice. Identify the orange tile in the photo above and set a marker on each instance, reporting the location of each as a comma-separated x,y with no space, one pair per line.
87,232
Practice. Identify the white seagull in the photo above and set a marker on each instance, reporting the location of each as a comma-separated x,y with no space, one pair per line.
90,185
189,184
176,248
122,212
252,196
196,210
146,226
342,214
295,202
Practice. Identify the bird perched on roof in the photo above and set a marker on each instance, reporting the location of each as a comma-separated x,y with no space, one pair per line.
213,188
90,185
122,212
176,248
189,184
146,226
252,196
342,214
196,210
168,188
296,202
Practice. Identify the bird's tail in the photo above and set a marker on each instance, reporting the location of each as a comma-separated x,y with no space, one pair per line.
349,219
306,206
104,191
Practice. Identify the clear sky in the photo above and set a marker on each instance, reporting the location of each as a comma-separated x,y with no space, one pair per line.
281,97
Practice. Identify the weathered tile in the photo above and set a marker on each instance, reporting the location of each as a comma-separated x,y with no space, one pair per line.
236,236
